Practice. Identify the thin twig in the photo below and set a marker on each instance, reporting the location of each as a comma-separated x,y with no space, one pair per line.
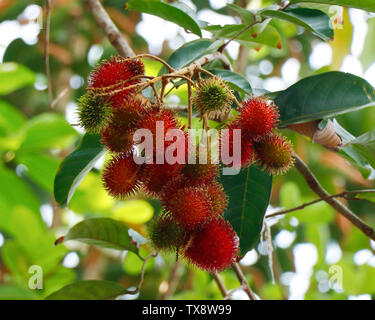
343,194
106,24
173,281
151,56
243,281
220,284
46,53
315,186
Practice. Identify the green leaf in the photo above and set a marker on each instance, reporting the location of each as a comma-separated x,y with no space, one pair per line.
246,15
12,292
365,146
104,232
41,169
368,5
249,193
75,167
314,20
47,130
11,119
188,53
166,12
14,76
89,290
324,95
367,57
235,80
262,33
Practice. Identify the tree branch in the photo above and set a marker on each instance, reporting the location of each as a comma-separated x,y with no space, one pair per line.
343,194
220,284
315,186
106,24
46,53
240,276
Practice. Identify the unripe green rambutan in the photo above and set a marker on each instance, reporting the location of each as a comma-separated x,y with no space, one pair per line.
274,153
94,112
213,97
166,234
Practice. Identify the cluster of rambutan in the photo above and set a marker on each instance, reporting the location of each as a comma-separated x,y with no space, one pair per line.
257,120
194,201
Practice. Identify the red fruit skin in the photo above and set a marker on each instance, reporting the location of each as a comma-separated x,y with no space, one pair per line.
245,141
118,139
190,206
156,176
214,247
121,176
113,75
258,117
219,200
151,119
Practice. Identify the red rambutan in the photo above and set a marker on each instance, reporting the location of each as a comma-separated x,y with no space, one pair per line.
258,116
214,247
121,176
219,200
111,76
274,153
190,206
229,138
118,139
156,176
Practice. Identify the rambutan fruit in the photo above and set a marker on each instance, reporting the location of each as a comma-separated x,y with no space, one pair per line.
190,206
229,139
156,176
214,247
94,112
274,153
110,77
200,173
130,111
158,122
118,139
219,200
121,176
166,233
213,97
258,117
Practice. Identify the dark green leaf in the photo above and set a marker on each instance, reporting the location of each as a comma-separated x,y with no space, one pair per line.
368,5
249,193
14,76
324,95
311,19
104,232
166,12
89,290
235,80
75,167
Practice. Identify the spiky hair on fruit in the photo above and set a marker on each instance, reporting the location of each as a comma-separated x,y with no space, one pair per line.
219,199
190,206
156,176
213,97
258,116
94,112
274,153
154,116
166,233
214,247
229,138
121,176
111,76
118,139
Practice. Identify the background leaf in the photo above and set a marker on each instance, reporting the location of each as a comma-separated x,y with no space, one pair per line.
102,232
314,20
75,167
14,76
324,95
166,12
89,290
249,193
367,5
